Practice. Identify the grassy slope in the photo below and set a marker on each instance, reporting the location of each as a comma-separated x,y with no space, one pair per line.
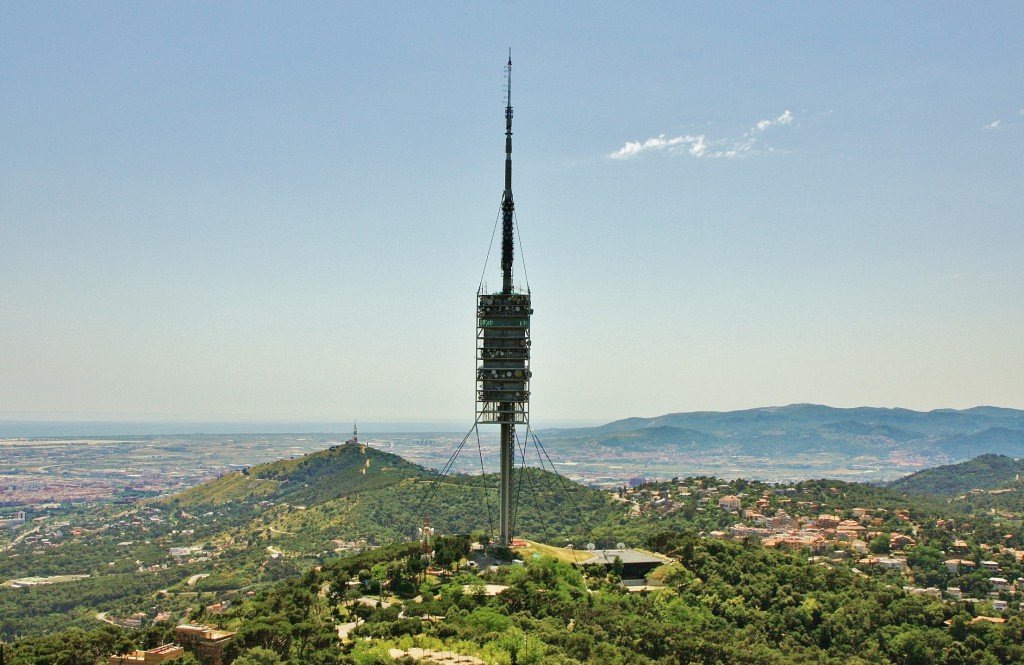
308,480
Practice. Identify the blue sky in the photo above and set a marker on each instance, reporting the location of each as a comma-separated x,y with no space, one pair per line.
280,211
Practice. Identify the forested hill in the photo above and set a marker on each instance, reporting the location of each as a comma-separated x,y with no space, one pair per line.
933,437
354,491
985,472
311,479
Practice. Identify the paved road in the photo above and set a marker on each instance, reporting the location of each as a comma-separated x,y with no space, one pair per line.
21,536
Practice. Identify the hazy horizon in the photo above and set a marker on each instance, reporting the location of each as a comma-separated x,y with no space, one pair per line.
92,428
71,427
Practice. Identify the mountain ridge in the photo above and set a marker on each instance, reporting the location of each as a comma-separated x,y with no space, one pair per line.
883,438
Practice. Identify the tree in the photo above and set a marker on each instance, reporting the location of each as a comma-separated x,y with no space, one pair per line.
928,564
915,646
110,640
449,550
271,633
258,656
879,544
617,566
955,654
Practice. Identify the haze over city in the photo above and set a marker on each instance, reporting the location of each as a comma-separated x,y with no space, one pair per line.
238,212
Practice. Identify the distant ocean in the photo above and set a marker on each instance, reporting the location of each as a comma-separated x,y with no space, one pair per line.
34,429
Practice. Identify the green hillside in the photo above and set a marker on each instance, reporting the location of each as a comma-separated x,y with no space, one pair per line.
303,507
985,472
231,487
549,509
307,480
659,436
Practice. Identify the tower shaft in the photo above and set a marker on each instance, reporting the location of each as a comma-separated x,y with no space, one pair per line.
507,444
508,465
503,344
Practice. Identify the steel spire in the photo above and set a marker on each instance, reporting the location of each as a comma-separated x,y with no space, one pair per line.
507,205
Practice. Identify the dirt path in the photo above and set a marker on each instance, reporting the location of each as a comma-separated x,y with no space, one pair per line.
434,656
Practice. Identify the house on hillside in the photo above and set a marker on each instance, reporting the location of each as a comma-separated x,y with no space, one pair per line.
899,541
827,521
730,503
888,563
157,655
781,521
849,529
208,642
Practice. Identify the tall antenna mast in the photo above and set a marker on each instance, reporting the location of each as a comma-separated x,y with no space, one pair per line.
507,205
503,342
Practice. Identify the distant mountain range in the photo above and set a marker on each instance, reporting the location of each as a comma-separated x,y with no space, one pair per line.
909,439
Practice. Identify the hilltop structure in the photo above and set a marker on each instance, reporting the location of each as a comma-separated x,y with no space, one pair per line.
207,641
149,656
503,343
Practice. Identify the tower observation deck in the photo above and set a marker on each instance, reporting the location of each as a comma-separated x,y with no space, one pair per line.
503,343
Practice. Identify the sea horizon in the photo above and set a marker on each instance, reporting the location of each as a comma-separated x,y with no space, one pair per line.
31,429
12,429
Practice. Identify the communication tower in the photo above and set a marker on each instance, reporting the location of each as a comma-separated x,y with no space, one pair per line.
503,343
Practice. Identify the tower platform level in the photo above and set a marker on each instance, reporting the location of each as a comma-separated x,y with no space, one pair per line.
503,358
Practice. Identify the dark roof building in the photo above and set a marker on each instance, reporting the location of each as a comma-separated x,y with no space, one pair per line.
635,564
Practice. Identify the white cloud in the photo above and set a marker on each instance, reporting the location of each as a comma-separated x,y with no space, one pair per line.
995,124
700,146
633,148
785,119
